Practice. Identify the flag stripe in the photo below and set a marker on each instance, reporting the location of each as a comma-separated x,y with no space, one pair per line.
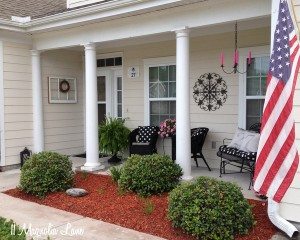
278,159
287,180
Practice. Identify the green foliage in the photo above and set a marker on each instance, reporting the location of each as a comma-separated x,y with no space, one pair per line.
113,135
46,172
115,173
210,209
150,174
84,175
148,206
7,230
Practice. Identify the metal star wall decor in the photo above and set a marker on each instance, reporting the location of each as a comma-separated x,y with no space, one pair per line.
210,91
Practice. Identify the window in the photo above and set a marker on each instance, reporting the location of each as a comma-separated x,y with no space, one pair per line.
62,90
256,89
162,93
109,62
119,97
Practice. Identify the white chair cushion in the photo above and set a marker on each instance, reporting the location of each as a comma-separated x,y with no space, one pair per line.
250,142
140,143
244,140
236,142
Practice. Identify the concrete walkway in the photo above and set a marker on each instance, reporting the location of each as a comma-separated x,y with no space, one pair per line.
58,224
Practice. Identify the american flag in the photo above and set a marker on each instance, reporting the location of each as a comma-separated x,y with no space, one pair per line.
277,158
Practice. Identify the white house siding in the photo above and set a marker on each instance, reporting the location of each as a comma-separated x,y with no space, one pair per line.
205,53
17,100
290,206
63,123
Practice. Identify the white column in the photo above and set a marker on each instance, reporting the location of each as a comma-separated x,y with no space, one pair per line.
38,120
91,110
183,128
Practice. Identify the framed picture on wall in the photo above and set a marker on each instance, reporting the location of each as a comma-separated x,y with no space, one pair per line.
62,90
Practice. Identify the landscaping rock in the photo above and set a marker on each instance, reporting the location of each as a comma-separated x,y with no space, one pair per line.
76,192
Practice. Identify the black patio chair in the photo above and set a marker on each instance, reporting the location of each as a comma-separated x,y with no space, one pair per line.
245,161
198,136
142,148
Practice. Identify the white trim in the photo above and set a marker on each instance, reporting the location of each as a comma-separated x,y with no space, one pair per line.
2,117
110,86
118,73
256,52
194,16
153,62
110,55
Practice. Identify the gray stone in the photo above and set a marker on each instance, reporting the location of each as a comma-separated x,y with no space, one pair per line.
76,192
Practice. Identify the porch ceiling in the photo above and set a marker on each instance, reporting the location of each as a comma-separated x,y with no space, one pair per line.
206,18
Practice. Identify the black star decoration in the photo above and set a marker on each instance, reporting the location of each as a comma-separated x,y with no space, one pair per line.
210,91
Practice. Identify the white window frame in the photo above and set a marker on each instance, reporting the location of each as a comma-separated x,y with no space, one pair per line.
154,62
67,101
260,51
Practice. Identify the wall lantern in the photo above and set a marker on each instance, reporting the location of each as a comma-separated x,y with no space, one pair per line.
24,155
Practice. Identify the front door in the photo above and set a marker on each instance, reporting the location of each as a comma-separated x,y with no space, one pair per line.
110,92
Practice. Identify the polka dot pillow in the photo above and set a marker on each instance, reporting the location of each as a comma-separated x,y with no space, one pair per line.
145,133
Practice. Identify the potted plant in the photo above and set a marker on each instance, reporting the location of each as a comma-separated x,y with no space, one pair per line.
113,137
167,128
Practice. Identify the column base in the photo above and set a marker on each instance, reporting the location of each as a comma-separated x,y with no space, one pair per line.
187,178
92,168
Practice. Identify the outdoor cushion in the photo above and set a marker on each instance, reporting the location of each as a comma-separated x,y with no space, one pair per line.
250,142
237,139
145,133
141,143
249,156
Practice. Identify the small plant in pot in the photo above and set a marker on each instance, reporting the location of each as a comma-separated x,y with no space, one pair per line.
113,137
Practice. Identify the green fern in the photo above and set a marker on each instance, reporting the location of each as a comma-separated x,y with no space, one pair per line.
113,135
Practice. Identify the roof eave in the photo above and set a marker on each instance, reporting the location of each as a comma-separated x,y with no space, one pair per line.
100,12
11,26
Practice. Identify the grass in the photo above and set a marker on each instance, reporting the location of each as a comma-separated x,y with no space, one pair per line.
84,174
148,206
9,232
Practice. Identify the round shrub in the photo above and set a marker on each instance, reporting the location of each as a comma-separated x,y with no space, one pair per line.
46,172
210,209
149,174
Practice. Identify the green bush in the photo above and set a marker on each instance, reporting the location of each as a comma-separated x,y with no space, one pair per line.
115,173
150,174
46,172
210,209
113,135
6,232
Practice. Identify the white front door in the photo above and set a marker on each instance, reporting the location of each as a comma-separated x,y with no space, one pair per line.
110,93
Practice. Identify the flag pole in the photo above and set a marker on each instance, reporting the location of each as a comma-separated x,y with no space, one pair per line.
273,207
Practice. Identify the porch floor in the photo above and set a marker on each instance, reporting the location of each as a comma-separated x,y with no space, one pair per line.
241,179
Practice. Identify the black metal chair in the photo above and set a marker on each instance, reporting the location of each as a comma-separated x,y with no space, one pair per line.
198,136
139,148
245,161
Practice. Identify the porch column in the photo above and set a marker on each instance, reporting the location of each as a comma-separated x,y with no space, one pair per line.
37,98
91,110
183,128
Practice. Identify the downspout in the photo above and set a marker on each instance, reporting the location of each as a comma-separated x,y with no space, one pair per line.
273,207
280,222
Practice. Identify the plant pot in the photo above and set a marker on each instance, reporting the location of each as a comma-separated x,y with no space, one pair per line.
114,159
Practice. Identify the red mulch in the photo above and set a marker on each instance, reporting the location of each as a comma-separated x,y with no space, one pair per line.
105,202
